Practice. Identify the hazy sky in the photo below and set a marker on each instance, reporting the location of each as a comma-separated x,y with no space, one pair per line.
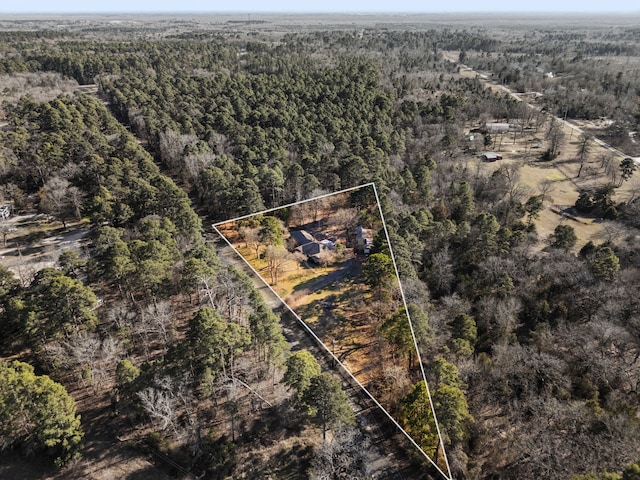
298,6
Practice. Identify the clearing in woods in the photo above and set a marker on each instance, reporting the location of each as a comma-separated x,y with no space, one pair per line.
317,256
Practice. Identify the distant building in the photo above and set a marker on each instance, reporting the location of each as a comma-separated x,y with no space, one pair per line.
491,157
496,127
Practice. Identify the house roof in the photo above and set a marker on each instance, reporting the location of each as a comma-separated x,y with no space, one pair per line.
361,231
491,155
312,248
301,237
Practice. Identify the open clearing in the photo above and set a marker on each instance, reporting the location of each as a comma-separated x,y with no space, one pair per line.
32,243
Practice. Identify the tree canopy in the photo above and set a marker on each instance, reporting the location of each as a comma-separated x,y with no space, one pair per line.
36,414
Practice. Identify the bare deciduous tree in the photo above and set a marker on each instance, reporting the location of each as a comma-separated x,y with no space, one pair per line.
172,146
584,149
159,317
251,237
277,258
162,406
166,401
231,298
55,198
555,136
195,164
345,456
546,187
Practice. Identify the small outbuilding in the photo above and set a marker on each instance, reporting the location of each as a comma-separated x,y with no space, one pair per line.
5,211
364,239
491,157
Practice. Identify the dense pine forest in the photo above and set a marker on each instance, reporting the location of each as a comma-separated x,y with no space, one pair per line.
131,337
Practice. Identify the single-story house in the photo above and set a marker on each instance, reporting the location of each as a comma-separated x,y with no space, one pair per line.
301,237
309,246
490,127
496,127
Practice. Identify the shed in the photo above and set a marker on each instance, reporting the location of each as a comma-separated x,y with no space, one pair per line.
491,157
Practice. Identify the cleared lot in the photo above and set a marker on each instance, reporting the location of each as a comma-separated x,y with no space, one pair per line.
30,243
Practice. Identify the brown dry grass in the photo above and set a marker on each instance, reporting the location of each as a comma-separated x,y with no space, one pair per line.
563,173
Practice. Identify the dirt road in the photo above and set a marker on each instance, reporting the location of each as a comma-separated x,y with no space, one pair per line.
467,71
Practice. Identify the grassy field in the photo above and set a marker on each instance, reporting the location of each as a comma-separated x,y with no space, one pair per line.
566,185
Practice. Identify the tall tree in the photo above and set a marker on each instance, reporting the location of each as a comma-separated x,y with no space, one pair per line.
584,149
627,167
277,257
37,414
533,207
214,344
555,136
417,420
378,270
605,264
453,412
58,305
326,403
271,231
301,368
464,335
564,237
397,331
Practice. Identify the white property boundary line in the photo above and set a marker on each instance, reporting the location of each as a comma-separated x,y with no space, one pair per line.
415,342
268,210
327,349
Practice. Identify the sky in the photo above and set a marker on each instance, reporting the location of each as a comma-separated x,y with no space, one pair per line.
318,6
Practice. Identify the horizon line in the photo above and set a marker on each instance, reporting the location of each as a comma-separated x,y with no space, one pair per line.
348,13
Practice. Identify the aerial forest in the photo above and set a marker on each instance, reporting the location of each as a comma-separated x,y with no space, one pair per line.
130,332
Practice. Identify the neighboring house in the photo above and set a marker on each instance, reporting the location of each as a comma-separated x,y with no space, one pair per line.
501,127
364,239
491,157
309,246
496,127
